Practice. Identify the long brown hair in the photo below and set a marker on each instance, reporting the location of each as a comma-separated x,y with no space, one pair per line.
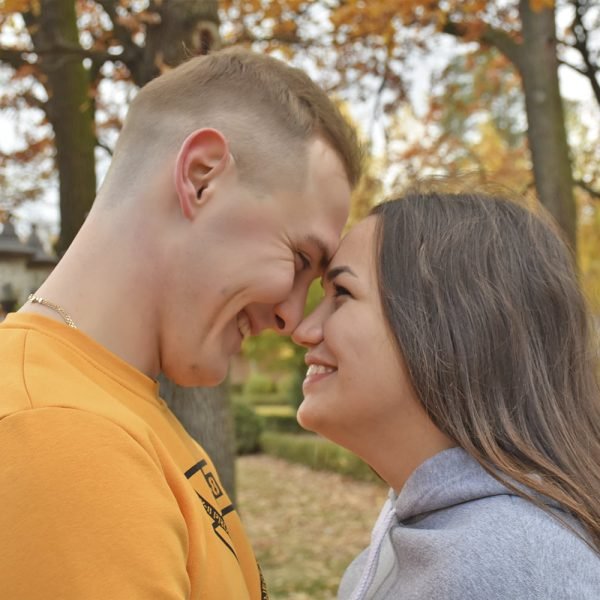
483,300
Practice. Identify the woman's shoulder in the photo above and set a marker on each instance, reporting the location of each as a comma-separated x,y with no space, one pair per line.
461,529
497,547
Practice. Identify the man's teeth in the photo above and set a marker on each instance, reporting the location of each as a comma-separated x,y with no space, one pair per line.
243,323
318,370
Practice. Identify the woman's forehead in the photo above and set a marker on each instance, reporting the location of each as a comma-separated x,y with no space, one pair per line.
357,245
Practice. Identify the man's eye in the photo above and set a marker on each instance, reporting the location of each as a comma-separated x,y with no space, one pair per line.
303,262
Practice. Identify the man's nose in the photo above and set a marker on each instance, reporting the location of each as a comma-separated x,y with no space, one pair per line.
288,314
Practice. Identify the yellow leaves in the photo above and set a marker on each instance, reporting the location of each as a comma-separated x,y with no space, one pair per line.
588,247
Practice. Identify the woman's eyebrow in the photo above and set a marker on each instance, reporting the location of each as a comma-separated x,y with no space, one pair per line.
333,273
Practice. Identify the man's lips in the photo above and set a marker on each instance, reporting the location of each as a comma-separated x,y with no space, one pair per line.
244,324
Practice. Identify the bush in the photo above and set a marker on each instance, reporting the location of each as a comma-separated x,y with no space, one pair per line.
258,383
281,418
317,453
291,387
248,428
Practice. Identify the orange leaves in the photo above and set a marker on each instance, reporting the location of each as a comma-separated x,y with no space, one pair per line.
14,6
467,18
25,71
286,31
32,150
539,5
360,19
130,22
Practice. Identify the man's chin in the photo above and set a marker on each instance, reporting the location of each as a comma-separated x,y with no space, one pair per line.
195,376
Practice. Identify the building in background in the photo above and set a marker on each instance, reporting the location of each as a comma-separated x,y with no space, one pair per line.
24,265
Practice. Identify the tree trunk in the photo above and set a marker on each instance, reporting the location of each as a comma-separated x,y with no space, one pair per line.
538,64
186,28
70,110
206,415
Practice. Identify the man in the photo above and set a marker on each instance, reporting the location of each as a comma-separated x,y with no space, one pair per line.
228,190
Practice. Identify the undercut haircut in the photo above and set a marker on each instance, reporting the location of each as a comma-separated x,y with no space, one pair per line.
267,110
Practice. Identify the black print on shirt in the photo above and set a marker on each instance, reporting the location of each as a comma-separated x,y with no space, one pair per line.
218,522
211,480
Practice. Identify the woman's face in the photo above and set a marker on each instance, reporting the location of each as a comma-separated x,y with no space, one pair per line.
357,385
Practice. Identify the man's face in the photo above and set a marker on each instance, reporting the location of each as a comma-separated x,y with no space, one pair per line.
249,266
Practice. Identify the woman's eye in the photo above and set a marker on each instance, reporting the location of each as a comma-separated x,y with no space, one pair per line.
339,290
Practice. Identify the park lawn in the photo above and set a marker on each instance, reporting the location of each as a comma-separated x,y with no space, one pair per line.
305,526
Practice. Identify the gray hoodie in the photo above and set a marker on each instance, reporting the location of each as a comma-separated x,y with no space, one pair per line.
455,533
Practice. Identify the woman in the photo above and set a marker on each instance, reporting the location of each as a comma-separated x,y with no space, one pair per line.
452,353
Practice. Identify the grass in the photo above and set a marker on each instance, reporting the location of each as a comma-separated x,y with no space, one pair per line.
305,526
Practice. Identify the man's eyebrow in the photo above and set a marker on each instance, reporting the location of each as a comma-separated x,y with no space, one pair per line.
333,273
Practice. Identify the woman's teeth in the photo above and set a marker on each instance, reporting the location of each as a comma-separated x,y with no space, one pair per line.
318,370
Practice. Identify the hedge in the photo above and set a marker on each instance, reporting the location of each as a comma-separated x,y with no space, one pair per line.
248,428
260,399
317,453
278,423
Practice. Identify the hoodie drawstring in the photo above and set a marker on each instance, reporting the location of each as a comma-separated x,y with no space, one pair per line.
381,529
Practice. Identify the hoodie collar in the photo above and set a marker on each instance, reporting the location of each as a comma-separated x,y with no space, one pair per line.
449,478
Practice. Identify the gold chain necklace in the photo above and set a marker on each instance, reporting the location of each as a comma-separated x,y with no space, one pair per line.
55,307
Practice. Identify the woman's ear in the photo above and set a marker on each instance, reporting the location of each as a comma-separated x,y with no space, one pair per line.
202,157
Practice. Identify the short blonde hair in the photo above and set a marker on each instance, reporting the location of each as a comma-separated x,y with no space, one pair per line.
266,109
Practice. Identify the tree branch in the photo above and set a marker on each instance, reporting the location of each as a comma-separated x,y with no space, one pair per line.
132,54
505,44
491,37
13,57
587,188
582,46
572,66
34,101
104,147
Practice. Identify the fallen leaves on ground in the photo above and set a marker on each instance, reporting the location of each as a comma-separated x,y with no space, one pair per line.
305,526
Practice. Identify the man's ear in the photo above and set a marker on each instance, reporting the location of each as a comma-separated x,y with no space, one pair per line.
202,157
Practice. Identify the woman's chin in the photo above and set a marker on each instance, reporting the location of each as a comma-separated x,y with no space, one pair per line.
306,416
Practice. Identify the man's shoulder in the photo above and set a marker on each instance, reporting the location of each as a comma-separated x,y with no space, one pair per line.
33,360
42,370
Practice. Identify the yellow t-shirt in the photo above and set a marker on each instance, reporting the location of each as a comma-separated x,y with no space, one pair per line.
103,495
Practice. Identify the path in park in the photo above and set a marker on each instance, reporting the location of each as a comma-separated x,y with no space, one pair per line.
305,525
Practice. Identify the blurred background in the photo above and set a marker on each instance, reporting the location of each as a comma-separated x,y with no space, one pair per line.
503,94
